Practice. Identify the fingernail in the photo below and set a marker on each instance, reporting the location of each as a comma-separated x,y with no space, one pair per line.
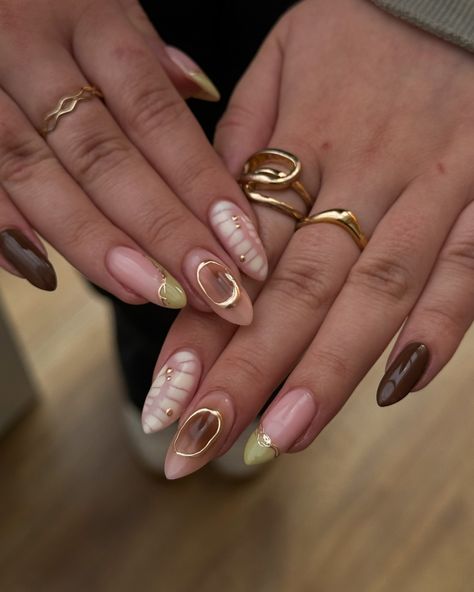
403,374
240,239
145,277
283,423
200,436
171,391
27,259
220,289
207,91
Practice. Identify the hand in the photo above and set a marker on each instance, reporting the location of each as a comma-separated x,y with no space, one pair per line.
381,116
103,186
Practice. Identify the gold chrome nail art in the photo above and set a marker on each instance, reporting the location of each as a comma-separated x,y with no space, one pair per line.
201,430
222,279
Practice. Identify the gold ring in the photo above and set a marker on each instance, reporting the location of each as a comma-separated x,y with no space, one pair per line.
343,218
66,105
257,174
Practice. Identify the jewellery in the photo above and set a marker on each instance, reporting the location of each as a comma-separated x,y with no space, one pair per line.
257,174
66,105
343,218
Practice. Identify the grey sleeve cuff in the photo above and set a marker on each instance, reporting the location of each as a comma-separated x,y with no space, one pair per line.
452,20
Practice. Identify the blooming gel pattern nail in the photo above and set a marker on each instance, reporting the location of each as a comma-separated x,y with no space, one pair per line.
171,391
238,235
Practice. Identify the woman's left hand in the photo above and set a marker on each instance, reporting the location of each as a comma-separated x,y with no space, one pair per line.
381,116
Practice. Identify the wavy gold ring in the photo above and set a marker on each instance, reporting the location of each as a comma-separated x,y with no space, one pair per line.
66,105
258,174
343,218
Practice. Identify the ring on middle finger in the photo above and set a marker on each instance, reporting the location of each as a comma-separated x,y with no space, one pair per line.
342,218
258,174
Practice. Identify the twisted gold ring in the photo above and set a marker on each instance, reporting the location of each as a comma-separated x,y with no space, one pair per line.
66,105
258,175
343,218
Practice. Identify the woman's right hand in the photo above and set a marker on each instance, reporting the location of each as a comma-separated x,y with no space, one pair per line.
103,186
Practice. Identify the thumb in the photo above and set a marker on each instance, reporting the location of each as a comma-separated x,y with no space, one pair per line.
188,78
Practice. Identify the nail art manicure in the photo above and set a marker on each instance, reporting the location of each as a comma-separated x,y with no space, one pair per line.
145,277
240,239
27,259
171,391
285,421
200,436
403,374
207,91
220,289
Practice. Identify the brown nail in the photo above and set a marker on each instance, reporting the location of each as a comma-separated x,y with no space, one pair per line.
27,259
403,374
198,432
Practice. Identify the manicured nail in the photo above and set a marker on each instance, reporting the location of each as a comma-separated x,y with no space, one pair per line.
200,436
220,289
403,374
171,391
207,91
285,421
145,277
240,239
27,259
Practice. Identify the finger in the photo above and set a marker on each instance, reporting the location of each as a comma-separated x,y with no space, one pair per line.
185,74
382,288
21,251
98,156
154,117
439,320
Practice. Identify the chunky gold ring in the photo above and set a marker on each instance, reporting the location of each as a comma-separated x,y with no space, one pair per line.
257,174
343,218
66,105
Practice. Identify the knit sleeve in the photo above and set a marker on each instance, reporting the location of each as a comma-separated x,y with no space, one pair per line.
452,20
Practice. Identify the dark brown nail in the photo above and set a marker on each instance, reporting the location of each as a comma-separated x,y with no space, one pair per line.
27,259
403,374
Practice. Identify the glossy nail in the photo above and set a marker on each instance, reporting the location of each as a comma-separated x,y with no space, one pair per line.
27,259
207,91
403,374
200,436
218,286
285,421
145,277
171,391
240,239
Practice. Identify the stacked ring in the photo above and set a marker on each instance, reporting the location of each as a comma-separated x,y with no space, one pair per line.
258,175
343,218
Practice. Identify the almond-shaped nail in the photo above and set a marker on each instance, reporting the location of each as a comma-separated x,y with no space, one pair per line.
171,391
218,286
207,91
200,435
284,422
145,277
403,374
239,237
27,259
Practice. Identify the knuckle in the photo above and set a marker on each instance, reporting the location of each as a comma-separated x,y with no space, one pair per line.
196,173
77,231
98,153
158,224
445,316
383,276
332,363
236,117
460,254
21,157
245,365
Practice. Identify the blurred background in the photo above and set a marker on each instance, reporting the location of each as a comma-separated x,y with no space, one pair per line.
382,502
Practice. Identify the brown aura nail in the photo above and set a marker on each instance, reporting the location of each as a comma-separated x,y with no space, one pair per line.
198,432
403,374
27,259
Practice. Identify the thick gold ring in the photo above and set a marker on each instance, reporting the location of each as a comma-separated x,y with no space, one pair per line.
258,175
343,218
66,105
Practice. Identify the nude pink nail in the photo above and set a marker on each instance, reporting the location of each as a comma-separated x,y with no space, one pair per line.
285,421
171,391
218,286
145,277
206,88
240,239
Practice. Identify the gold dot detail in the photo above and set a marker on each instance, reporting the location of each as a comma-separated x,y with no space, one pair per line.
169,412
237,225
235,218
242,258
169,370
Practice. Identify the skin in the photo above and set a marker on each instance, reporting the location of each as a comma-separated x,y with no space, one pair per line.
75,187
381,116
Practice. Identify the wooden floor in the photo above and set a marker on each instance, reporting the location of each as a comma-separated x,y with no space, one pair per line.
383,502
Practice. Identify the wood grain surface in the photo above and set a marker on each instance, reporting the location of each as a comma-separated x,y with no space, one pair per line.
382,502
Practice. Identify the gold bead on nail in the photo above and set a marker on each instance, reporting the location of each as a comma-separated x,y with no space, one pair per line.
169,412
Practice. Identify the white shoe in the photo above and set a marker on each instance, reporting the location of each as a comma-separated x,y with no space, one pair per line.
151,449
